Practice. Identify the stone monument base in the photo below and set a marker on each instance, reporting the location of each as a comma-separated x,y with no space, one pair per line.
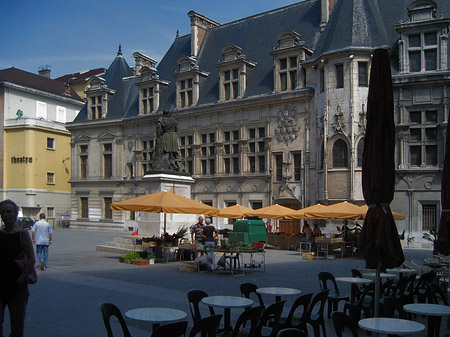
152,224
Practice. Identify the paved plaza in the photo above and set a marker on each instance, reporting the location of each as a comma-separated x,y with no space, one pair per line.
64,302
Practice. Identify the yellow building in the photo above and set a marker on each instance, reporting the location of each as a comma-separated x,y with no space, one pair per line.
35,144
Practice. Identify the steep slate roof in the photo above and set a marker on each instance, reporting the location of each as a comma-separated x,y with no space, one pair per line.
353,25
30,80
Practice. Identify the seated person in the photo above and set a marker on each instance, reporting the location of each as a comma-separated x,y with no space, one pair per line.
307,231
316,231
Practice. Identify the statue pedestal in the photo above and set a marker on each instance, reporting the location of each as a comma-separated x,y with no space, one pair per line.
152,224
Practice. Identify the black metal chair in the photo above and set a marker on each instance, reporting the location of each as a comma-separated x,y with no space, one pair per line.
327,281
108,310
294,321
176,329
206,327
422,284
392,307
247,289
342,320
194,297
292,332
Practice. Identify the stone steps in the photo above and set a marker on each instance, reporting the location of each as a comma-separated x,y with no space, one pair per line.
122,245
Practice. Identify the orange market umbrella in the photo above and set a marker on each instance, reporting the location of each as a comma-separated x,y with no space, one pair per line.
273,212
341,210
234,212
164,202
304,212
397,216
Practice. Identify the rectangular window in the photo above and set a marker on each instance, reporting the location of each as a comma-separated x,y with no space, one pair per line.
322,80
262,164
60,114
147,101
185,93
429,217
50,178
231,84
84,208
50,143
236,167
96,107
107,160
226,162
423,138
339,75
422,51
41,110
147,154
252,164
362,74
204,169
297,166
278,167
288,73
261,132
415,154
212,166
50,212
83,161
107,212
227,136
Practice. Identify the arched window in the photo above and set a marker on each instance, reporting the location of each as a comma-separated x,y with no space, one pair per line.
359,152
340,154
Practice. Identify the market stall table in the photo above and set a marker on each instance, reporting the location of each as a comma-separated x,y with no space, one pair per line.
155,316
434,312
227,303
394,326
278,292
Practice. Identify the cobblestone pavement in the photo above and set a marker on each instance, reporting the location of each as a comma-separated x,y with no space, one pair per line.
64,302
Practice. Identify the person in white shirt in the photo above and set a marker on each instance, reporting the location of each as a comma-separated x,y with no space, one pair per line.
41,234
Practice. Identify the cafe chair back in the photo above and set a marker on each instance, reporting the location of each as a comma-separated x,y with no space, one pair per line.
392,307
241,328
315,315
108,310
341,321
269,322
194,297
435,295
206,327
422,284
293,320
248,290
405,289
176,329
327,281
291,332
355,288
362,305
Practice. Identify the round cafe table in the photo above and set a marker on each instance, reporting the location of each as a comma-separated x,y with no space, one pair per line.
434,312
227,303
278,292
155,315
394,326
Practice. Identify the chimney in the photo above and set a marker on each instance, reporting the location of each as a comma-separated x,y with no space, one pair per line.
44,71
199,25
326,8
67,88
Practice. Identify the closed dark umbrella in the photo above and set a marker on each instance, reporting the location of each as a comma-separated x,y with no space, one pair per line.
379,240
444,224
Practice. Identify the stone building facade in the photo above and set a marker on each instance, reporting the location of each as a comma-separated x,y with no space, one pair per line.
271,109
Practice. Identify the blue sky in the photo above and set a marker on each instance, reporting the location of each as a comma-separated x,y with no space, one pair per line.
78,35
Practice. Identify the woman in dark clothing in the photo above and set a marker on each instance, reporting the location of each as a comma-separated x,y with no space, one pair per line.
13,284
209,234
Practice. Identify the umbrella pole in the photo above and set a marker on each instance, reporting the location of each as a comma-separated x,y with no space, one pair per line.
164,228
377,292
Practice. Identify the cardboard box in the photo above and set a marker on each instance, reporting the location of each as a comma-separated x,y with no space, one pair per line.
309,256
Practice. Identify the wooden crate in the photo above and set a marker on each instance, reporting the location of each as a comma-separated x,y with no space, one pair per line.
309,256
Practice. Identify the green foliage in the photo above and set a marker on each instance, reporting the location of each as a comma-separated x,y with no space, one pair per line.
137,256
430,236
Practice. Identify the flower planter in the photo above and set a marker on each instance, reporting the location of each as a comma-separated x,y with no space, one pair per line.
139,262
151,261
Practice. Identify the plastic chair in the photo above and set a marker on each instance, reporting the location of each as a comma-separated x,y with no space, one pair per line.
327,281
421,287
294,321
291,332
108,310
268,325
363,304
233,262
342,320
390,306
206,327
315,316
253,315
194,297
177,329
405,289
247,289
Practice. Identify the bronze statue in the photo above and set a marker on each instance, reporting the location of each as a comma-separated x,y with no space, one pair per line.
167,156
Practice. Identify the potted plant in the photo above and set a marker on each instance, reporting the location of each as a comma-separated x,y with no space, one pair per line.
151,258
432,237
134,258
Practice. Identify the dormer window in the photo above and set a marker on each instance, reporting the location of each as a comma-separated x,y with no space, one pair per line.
188,78
233,73
98,96
423,38
288,73
149,85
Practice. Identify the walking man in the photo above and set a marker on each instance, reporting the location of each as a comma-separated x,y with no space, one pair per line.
41,233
